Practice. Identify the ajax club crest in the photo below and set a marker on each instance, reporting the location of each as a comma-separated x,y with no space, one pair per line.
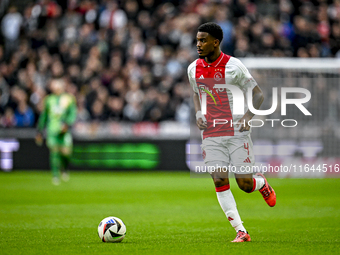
218,76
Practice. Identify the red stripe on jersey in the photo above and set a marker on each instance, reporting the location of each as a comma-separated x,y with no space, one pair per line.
222,188
207,75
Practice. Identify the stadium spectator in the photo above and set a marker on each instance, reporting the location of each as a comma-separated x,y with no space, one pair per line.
4,94
24,115
8,119
10,27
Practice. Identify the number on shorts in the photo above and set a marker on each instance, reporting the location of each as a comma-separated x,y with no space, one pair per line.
246,146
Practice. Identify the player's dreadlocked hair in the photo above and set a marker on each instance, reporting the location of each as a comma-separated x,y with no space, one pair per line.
213,29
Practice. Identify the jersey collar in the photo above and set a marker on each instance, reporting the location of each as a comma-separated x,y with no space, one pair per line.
215,63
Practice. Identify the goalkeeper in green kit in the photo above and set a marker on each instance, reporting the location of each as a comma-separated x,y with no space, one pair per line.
58,115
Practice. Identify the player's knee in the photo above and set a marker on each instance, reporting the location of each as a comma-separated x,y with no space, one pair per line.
66,151
245,184
54,149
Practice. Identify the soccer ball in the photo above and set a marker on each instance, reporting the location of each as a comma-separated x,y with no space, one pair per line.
111,229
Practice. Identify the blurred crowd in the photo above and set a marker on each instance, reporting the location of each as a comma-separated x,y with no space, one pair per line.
127,60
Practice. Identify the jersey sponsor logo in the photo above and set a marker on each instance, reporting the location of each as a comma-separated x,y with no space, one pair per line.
202,87
201,77
56,109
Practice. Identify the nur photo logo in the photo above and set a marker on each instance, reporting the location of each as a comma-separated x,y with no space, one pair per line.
238,106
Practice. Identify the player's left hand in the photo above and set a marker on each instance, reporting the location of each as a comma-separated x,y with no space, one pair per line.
64,128
39,139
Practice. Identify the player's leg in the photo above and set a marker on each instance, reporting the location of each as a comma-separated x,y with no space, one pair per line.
243,159
66,146
228,205
213,152
227,202
55,160
250,182
267,192
55,164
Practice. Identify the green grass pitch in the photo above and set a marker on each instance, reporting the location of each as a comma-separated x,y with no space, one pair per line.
165,213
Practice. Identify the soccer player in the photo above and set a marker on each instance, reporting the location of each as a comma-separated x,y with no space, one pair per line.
228,144
58,115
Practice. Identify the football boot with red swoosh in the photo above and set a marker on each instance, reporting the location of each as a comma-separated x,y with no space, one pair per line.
241,237
267,192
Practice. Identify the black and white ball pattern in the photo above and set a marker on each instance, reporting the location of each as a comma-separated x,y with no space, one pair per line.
111,229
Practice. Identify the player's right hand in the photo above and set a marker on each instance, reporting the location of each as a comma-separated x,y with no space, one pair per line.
39,139
201,124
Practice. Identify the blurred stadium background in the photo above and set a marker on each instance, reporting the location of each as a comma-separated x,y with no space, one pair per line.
126,61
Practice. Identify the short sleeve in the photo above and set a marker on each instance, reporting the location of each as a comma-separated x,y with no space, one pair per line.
244,79
191,76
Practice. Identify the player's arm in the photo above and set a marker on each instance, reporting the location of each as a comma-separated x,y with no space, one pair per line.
41,124
200,119
257,102
70,116
201,122
246,81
